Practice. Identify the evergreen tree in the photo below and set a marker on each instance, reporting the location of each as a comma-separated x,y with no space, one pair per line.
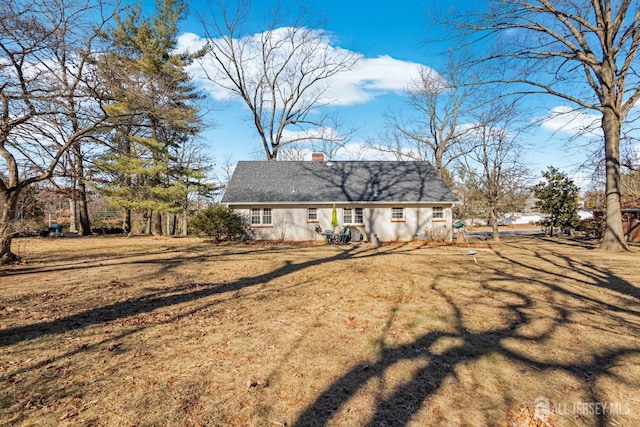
557,197
149,85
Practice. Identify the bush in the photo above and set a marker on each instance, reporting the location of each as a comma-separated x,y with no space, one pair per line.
592,227
438,234
218,222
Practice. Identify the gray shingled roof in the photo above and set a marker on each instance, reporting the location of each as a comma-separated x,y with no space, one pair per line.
335,182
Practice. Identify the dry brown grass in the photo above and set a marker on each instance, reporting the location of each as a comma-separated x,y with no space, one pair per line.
147,331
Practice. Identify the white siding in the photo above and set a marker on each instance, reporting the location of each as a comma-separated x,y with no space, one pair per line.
290,222
417,221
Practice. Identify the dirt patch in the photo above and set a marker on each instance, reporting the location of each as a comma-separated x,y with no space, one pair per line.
161,331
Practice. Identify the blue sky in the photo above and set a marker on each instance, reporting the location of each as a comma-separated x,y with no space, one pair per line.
391,38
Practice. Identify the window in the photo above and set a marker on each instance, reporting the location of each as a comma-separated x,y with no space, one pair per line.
255,216
347,216
266,216
312,214
359,216
438,212
260,216
397,214
353,216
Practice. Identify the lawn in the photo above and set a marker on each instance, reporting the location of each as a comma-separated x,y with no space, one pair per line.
160,331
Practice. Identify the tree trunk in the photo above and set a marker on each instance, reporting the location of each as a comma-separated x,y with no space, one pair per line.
171,224
147,221
83,210
184,222
156,227
126,222
7,222
73,219
613,238
494,225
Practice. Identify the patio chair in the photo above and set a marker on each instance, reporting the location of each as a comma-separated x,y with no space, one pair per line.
345,236
329,237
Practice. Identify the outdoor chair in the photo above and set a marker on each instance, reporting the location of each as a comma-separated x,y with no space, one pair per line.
330,238
345,236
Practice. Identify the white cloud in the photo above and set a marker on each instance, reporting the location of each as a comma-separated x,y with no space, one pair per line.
362,151
369,77
190,42
581,179
318,133
571,122
348,151
372,77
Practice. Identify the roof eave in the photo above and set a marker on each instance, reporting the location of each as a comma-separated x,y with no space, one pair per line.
341,202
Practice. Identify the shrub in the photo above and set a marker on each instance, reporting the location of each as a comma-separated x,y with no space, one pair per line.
218,222
438,234
592,227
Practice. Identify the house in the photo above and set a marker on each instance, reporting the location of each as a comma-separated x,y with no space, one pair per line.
630,220
293,200
631,223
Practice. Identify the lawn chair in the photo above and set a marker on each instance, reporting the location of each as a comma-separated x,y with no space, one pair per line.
345,236
330,238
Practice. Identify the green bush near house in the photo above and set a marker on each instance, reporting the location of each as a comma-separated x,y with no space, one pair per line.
592,227
218,222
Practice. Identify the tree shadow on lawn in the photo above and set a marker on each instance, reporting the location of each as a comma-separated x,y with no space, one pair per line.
602,362
113,258
148,303
167,297
541,269
590,274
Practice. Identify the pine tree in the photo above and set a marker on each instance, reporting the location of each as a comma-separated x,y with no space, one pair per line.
150,87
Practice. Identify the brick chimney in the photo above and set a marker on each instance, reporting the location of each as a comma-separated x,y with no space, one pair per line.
317,157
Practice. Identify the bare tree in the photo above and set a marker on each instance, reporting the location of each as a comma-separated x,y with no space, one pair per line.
630,177
493,169
281,73
192,180
293,152
583,52
433,131
79,110
631,158
326,140
39,45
